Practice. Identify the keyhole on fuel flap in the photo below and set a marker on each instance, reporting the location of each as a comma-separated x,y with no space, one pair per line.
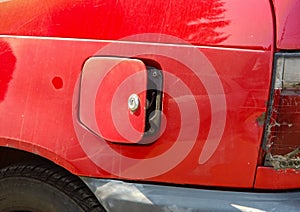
133,102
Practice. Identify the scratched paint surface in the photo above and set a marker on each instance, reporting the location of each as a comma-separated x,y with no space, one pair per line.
213,22
37,98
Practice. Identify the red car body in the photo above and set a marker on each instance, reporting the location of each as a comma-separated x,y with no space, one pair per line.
216,59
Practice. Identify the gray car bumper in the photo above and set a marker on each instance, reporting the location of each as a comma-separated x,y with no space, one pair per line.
122,196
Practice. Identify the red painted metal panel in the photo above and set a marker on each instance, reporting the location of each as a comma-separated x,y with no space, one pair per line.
212,96
288,24
40,115
269,178
105,86
213,22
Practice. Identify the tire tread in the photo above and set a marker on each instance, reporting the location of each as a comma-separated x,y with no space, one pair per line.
57,177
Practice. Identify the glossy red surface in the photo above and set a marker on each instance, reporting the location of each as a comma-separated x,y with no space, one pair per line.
39,116
211,100
268,178
99,101
288,24
213,22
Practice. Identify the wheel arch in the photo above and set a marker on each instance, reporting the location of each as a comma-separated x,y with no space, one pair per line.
15,151
15,161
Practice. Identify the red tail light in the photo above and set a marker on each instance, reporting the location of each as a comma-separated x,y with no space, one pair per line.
282,129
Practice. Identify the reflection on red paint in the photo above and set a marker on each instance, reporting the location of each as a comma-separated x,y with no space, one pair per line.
39,118
213,22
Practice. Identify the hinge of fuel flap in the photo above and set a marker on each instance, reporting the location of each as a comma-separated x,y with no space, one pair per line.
153,101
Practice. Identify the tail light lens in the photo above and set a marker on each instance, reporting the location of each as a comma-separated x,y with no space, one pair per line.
282,129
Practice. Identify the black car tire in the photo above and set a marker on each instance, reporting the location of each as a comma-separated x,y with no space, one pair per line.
44,187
